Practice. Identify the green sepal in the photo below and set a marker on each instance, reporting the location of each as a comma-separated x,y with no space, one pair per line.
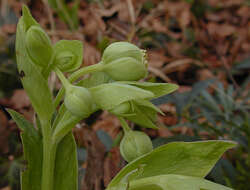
95,79
118,50
107,96
194,159
159,89
175,182
38,46
33,153
78,101
126,68
68,55
148,104
124,61
143,116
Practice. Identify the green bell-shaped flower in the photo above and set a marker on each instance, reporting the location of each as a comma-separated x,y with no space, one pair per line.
68,55
78,101
38,46
135,144
123,61
131,100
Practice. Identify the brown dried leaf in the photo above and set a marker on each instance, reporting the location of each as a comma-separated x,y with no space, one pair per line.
20,100
90,54
156,58
4,133
221,30
123,13
112,165
205,74
185,18
109,123
6,188
95,157
164,132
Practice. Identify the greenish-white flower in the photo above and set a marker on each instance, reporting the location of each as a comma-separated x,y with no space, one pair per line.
131,100
68,55
124,61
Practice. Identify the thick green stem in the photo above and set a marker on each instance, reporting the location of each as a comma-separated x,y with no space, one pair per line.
75,76
49,154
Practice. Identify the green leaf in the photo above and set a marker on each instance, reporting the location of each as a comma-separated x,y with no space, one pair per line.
174,182
33,82
210,102
28,19
65,125
68,15
107,96
33,153
159,89
181,158
66,169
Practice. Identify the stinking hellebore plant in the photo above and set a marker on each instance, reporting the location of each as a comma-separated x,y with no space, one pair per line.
50,149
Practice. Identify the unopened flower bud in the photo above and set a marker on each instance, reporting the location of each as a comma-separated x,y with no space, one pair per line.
78,101
135,144
124,61
38,46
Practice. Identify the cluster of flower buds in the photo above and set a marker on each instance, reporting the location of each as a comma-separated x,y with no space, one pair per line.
124,64
66,55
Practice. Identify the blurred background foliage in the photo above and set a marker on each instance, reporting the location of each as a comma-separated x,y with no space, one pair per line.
202,45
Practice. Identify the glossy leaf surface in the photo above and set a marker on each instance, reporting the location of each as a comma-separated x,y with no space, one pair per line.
175,182
181,158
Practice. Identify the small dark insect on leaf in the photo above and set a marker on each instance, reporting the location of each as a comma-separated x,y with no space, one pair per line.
22,74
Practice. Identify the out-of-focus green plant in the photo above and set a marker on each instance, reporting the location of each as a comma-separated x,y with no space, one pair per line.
66,13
